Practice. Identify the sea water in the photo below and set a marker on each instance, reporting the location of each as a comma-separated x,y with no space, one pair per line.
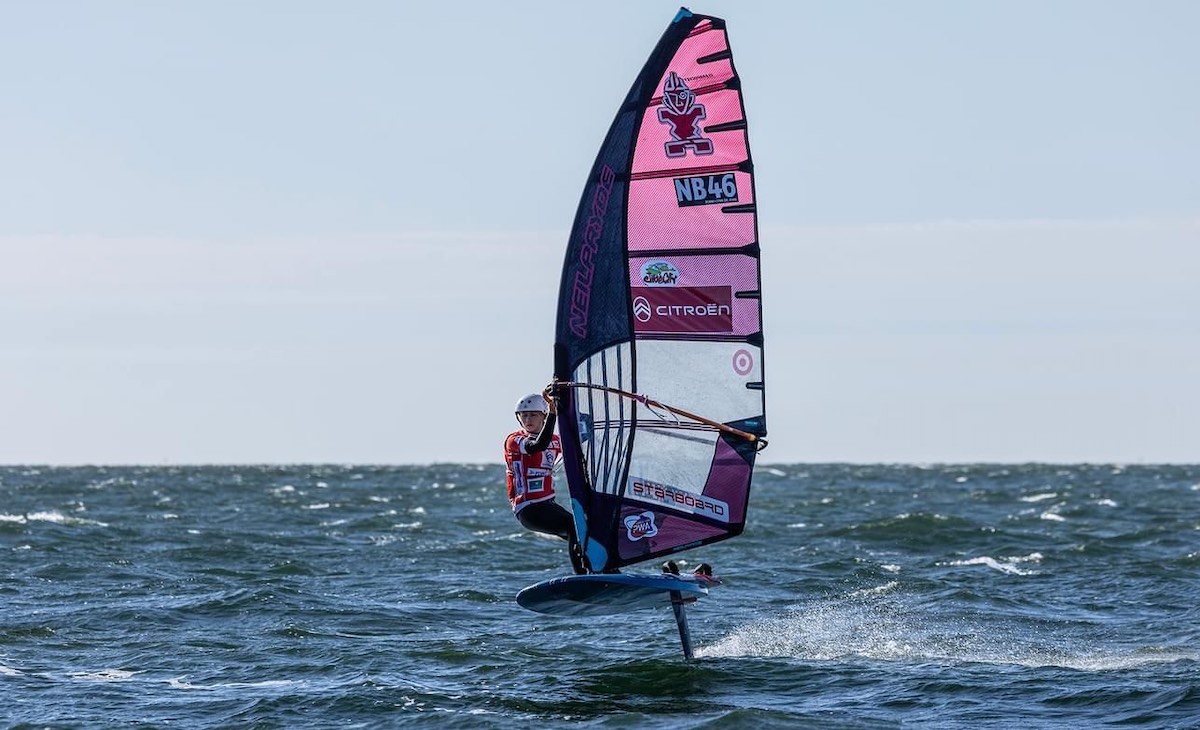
942,596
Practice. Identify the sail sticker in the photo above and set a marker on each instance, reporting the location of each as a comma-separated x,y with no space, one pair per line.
645,490
659,273
683,115
640,525
743,362
705,190
701,309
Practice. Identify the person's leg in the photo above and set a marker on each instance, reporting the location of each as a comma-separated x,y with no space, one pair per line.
551,519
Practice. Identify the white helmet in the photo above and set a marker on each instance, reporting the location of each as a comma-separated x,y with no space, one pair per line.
533,403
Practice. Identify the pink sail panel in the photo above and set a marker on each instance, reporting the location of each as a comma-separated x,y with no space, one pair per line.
705,42
698,219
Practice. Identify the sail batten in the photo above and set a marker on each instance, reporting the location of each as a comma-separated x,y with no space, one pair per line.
660,295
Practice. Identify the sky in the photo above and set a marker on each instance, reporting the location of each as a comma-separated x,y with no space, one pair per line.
298,232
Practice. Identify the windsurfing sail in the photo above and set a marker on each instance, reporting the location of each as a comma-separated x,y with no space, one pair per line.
658,343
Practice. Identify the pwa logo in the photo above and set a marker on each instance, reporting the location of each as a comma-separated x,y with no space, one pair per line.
682,114
706,190
640,525
659,273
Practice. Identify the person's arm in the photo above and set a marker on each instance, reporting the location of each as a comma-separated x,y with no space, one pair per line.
543,438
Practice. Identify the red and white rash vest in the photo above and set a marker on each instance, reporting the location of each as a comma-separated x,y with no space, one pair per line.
530,476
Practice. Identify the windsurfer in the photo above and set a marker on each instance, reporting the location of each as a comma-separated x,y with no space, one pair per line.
529,456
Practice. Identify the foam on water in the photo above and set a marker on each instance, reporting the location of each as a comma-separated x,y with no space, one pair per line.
54,517
1004,565
883,624
1040,497
183,683
104,675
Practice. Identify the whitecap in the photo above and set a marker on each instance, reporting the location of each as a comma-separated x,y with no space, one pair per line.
876,591
59,518
1039,497
104,675
181,683
1006,565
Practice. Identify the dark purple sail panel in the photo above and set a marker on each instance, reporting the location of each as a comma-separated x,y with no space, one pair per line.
660,296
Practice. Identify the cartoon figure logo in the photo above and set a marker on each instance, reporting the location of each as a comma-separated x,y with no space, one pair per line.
682,114
640,525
